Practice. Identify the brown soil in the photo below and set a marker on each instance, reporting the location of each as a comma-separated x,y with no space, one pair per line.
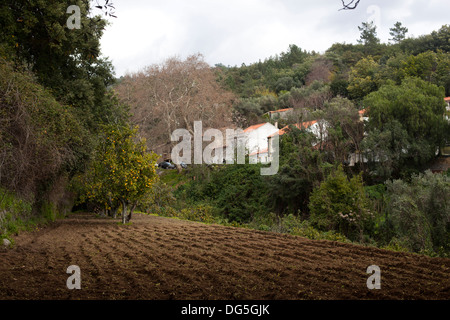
156,258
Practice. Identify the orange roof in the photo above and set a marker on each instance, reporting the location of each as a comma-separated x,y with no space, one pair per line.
281,110
447,99
256,126
363,111
259,152
303,125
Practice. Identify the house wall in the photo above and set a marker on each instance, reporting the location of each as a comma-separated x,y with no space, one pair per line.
319,129
257,139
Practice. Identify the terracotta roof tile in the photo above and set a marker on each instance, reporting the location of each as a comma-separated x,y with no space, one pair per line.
260,151
303,125
256,126
281,110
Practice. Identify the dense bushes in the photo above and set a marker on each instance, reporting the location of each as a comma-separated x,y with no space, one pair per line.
418,212
39,137
342,205
401,86
15,214
412,216
162,203
235,190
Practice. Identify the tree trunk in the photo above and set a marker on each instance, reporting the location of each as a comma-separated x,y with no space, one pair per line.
113,212
124,212
132,210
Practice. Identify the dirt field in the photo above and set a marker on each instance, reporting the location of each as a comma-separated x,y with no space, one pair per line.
157,258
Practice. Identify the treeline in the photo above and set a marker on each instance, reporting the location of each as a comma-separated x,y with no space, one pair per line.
298,79
67,132
314,198
388,198
55,103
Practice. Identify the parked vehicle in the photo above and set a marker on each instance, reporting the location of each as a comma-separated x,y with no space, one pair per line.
166,165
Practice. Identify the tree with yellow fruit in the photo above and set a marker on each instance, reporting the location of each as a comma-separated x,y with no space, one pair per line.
121,173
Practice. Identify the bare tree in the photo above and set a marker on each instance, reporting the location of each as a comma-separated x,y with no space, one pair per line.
321,70
174,94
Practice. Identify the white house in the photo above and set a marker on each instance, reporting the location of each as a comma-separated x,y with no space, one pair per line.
316,127
362,115
261,156
447,108
253,140
257,141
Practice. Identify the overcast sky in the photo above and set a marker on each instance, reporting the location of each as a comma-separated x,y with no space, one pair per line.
233,32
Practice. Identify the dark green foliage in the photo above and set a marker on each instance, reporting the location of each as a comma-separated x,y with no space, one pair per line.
437,40
406,125
39,137
282,71
341,204
419,212
68,62
301,169
55,94
237,191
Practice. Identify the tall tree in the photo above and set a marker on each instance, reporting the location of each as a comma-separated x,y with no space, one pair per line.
301,169
345,131
364,78
368,36
419,211
398,32
341,204
414,112
67,61
173,95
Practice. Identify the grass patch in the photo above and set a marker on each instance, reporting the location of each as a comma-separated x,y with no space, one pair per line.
173,178
16,215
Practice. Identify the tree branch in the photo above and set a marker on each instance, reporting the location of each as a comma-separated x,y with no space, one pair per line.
349,6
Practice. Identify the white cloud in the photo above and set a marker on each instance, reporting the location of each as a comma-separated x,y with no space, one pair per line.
235,31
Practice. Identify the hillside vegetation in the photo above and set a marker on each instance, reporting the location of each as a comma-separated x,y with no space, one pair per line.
73,137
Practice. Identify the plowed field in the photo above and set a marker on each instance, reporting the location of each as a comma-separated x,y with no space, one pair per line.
161,259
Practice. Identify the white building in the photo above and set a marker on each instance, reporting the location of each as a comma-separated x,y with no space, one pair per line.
252,141
362,115
447,108
316,127
257,141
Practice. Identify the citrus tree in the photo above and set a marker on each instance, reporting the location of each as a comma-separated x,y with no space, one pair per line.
121,173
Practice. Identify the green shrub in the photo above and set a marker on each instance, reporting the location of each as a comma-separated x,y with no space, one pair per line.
294,225
396,244
15,214
238,192
200,213
418,212
308,231
49,212
341,205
